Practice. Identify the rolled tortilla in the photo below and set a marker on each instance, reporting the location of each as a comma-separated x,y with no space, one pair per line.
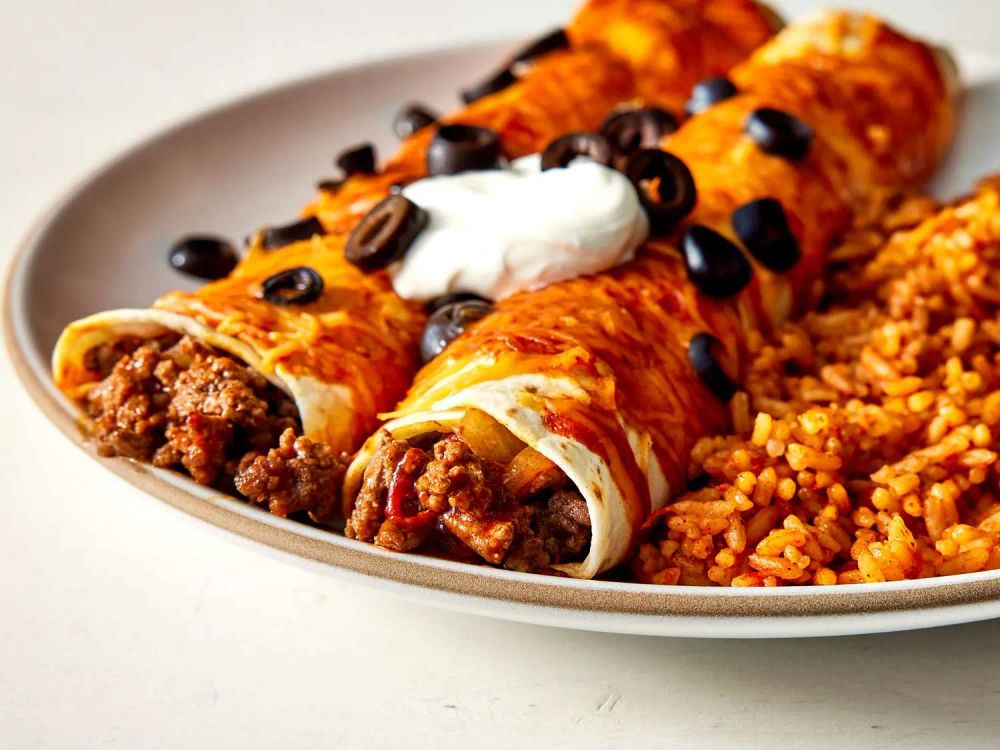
341,358
621,52
351,354
594,373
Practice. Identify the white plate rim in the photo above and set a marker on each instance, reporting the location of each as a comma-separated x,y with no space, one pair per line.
590,605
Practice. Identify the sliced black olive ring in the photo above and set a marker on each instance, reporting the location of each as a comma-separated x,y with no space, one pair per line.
708,93
564,149
330,185
205,257
448,322
293,286
497,82
714,264
461,148
447,299
779,133
554,40
410,119
675,193
385,233
632,129
701,355
359,159
275,237
762,227
506,76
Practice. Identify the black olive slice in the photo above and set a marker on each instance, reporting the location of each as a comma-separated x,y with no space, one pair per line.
448,322
410,119
762,227
714,264
203,256
702,355
779,133
461,148
293,286
564,149
554,40
506,76
675,192
447,299
632,129
710,92
385,233
330,185
497,82
275,237
359,159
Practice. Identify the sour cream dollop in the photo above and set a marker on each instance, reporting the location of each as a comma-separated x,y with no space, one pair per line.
498,232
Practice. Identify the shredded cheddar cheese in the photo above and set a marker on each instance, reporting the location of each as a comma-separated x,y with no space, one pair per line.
623,335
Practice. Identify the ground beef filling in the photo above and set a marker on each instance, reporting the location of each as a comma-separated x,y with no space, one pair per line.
445,498
179,404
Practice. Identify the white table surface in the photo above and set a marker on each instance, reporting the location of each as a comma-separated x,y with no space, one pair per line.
125,624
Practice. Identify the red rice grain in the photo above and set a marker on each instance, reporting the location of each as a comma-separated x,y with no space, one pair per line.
865,441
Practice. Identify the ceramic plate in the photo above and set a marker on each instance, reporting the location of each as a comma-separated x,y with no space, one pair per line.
254,162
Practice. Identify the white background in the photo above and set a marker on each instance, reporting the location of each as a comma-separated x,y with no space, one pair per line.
125,624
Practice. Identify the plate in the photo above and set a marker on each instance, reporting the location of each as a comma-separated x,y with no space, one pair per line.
254,162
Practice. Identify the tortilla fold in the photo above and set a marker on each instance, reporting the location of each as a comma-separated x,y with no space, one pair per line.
594,373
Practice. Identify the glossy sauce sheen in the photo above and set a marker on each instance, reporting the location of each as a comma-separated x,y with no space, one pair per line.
671,45
359,335
350,335
627,346
564,91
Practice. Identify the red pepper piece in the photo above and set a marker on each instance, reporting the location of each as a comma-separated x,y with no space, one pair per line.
401,485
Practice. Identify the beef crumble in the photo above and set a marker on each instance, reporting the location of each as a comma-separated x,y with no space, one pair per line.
557,532
182,405
299,475
179,404
412,498
455,477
